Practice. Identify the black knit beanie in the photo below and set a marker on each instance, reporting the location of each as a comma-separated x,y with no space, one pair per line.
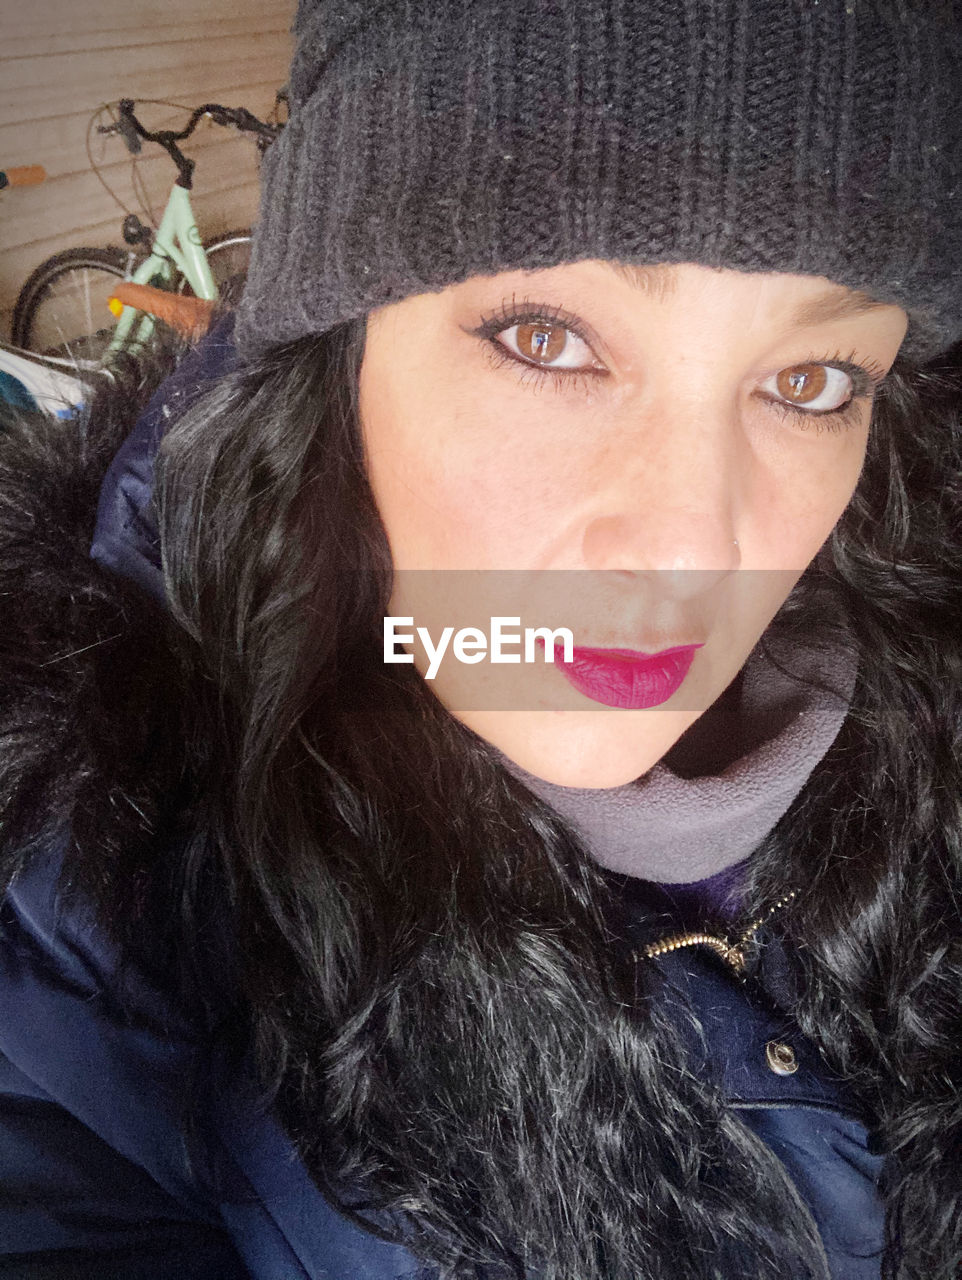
433,140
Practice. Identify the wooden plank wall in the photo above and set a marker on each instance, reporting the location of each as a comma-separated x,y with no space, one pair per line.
61,59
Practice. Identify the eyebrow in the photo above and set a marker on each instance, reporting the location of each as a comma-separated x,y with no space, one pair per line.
833,306
654,280
658,282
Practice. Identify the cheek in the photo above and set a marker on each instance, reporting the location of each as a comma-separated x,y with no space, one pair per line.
463,480
799,499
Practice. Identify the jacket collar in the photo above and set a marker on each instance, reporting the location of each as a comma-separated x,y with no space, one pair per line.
125,539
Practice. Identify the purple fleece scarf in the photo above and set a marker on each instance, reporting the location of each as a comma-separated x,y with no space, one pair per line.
714,797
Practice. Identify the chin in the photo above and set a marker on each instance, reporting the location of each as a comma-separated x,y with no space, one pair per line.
594,750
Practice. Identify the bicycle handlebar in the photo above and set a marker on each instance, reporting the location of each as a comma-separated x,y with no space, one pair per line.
132,131
24,175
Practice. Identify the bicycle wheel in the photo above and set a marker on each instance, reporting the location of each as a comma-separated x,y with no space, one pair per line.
229,257
62,308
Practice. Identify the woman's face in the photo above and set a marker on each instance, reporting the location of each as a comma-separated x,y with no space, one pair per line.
654,453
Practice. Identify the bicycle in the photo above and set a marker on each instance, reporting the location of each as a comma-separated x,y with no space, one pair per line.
62,308
28,381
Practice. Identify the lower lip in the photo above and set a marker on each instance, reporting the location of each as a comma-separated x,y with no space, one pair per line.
624,678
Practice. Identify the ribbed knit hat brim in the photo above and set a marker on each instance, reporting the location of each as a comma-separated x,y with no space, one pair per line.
430,142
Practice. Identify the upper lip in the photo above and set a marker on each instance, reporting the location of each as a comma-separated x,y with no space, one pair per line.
637,655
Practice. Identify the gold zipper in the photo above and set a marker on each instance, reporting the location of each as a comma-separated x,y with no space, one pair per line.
733,953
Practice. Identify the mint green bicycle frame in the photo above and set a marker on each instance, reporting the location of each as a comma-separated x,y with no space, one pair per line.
177,248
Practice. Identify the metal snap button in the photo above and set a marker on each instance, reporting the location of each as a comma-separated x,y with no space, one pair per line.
781,1058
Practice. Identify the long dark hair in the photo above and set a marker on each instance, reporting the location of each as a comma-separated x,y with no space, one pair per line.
464,1053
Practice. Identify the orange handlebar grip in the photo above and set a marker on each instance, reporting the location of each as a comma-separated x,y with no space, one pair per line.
25,175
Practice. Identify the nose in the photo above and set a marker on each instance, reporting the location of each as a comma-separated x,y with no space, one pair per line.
669,500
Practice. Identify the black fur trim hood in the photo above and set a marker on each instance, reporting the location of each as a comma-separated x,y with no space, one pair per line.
92,670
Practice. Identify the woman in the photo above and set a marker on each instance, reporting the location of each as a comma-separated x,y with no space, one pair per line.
330,954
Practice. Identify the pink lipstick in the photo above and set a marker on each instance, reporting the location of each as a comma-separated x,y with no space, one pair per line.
627,678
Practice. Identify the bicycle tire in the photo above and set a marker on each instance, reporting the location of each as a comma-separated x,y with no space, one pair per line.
58,311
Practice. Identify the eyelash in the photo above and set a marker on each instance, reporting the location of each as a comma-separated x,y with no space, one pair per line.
866,376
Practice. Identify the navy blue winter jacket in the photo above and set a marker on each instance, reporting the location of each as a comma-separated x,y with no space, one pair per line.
98,1178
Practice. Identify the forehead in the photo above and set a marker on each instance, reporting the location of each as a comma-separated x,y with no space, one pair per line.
796,301
827,301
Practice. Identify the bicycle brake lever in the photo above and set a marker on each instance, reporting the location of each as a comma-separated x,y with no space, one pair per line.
126,127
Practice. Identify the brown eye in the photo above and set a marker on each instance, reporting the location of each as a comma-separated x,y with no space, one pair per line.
541,342
815,388
802,383
546,345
